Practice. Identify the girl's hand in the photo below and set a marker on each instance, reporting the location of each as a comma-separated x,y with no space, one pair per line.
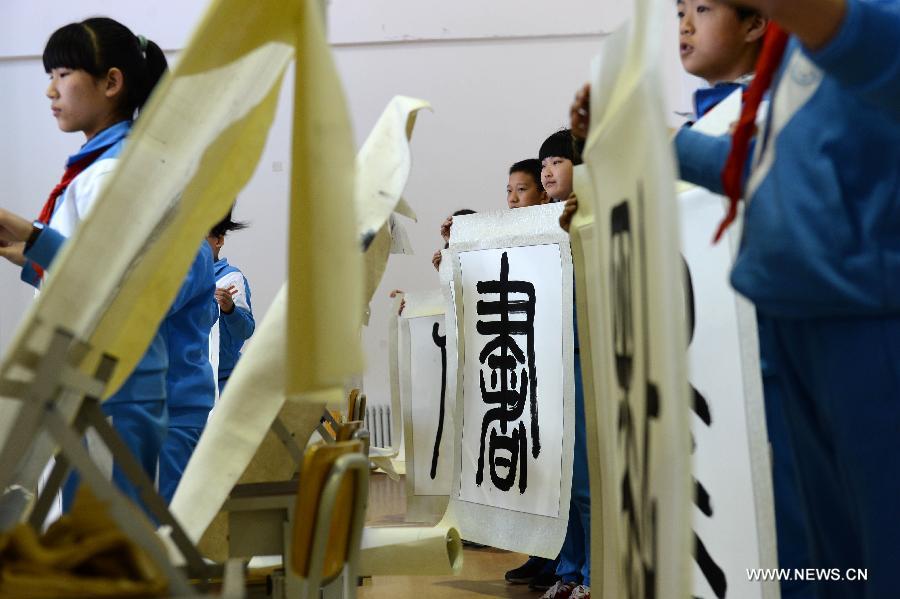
13,228
445,228
14,252
565,219
223,298
436,260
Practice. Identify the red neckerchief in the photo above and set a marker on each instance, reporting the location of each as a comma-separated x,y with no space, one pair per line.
72,171
773,50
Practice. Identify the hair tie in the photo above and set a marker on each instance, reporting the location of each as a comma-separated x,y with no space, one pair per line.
143,43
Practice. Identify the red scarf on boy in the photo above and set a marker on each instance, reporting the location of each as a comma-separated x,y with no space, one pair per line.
769,59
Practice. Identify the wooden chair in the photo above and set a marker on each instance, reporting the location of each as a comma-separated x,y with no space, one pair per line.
328,516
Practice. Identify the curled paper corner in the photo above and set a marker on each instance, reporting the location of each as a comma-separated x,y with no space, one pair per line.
383,459
403,208
411,106
411,551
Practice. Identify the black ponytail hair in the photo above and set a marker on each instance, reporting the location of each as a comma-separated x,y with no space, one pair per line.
99,44
226,225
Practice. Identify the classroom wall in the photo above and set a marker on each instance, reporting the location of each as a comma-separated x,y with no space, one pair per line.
500,75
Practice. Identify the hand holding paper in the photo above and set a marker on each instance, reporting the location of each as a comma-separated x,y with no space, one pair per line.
580,112
13,228
14,252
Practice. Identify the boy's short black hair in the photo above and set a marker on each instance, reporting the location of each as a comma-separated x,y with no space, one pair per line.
226,225
745,13
462,212
558,144
531,166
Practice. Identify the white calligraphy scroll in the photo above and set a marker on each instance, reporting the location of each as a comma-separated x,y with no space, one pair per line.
513,295
426,373
733,513
257,391
631,324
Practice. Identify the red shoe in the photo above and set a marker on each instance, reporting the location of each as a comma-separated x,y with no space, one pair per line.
561,590
580,592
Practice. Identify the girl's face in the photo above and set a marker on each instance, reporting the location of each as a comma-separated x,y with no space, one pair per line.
556,175
80,101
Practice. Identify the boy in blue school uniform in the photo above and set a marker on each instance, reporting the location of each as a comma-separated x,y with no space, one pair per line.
721,44
236,323
820,257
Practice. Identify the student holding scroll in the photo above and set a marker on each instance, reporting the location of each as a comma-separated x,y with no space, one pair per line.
573,571
818,258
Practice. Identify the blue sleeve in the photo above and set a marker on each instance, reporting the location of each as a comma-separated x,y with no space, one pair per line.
701,158
30,275
240,323
198,278
865,54
43,252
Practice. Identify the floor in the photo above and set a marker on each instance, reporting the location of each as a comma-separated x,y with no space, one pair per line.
482,571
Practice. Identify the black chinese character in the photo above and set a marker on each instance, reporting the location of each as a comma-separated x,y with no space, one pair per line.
441,342
636,410
512,379
712,572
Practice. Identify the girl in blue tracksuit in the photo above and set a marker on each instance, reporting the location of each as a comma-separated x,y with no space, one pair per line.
236,323
100,76
190,384
820,258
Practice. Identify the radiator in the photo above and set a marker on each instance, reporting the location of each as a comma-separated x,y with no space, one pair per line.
378,423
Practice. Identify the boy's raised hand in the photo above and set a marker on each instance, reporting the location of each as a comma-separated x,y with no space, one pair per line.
815,22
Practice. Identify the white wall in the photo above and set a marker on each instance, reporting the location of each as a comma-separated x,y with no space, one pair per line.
500,75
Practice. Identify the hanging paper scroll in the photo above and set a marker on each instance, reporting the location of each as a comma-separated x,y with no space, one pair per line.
631,325
513,291
427,375
733,521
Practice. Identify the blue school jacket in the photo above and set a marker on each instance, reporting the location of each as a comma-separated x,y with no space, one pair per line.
237,327
190,385
147,382
822,222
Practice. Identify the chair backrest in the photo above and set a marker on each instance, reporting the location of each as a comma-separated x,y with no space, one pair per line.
329,511
353,405
361,407
346,430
